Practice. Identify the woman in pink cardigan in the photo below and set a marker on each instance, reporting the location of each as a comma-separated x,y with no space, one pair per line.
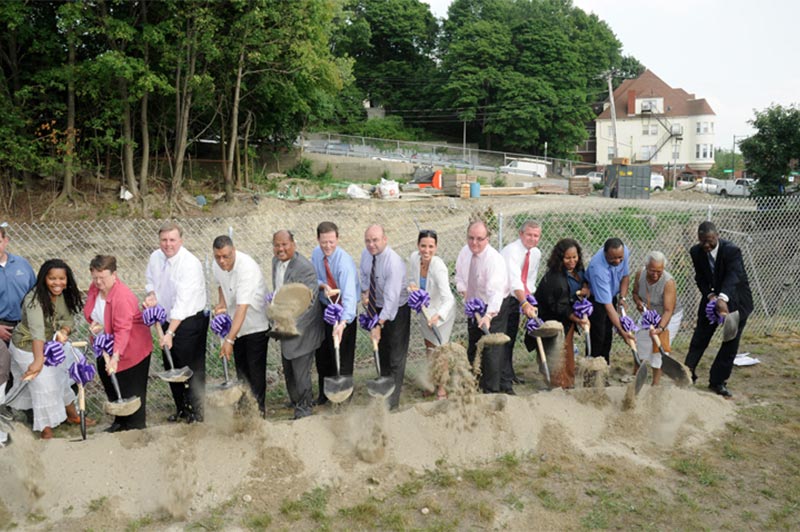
112,307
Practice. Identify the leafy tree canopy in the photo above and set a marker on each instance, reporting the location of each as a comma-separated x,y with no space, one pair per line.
773,152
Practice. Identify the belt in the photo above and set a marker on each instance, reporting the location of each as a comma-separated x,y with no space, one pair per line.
10,323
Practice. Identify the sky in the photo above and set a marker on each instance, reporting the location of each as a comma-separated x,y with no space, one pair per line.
740,55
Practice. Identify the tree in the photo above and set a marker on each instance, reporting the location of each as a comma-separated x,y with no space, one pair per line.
773,152
722,161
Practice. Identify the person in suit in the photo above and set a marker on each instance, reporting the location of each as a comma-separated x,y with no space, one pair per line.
556,294
522,258
175,280
721,277
482,273
336,270
428,272
297,354
384,293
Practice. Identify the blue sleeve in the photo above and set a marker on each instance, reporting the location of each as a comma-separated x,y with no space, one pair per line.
348,284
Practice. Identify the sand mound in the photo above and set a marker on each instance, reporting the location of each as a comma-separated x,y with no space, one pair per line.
179,470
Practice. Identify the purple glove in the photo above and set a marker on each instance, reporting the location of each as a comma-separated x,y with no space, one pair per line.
529,299
103,343
368,322
333,314
533,324
418,299
82,372
53,353
650,318
582,308
628,325
268,298
474,306
221,325
153,315
712,314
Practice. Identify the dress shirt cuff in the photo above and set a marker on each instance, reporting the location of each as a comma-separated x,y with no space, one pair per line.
724,298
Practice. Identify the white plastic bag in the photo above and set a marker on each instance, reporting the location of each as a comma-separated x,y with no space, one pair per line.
389,189
356,192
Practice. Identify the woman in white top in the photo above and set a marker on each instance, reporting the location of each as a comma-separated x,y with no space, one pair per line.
428,272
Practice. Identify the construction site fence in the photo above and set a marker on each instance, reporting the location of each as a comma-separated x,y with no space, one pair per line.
765,229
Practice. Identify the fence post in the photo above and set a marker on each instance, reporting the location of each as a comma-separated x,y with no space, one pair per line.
708,214
499,231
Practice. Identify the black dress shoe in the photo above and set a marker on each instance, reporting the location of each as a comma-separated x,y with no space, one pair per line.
509,391
194,418
178,416
720,389
114,427
517,380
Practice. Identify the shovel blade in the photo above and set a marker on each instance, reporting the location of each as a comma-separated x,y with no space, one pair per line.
338,389
675,370
382,387
730,328
123,407
641,377
83,424
176,375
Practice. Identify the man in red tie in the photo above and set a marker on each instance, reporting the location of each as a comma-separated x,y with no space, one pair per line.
522,258
336,270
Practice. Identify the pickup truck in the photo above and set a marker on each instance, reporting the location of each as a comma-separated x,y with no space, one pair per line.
735,187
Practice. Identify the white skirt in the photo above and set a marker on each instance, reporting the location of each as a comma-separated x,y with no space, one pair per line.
47,394
645,346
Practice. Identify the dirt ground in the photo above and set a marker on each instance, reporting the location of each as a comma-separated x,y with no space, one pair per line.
544,460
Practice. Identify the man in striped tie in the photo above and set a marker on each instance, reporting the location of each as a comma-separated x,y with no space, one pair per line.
383,283
336,270
522,258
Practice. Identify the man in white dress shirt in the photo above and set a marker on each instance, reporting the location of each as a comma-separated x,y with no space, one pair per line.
175,281
482,273
241,295
522,258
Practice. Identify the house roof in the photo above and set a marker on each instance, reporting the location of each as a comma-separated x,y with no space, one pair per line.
677,102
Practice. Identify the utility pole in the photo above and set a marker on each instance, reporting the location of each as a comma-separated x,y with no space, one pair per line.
609,76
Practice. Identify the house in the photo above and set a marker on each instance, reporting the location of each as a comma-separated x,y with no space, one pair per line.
667,128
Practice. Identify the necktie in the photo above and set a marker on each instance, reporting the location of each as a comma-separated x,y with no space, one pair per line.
329,274
372,307
525,266
472,278
712,262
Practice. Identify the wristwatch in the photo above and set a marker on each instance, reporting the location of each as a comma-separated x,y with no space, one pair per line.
170,333
229,341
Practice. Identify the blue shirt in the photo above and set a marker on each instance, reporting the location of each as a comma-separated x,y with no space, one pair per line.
16,280
575,284
390,281
603,278
343,268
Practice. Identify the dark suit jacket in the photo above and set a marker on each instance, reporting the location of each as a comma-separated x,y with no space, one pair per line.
729,277
309,324
555,298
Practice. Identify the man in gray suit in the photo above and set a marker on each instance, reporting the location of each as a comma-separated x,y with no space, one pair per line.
297,354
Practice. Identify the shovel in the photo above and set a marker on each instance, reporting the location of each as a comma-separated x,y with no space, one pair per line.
381,387
120,407
671,367
5,421
586,331
641,373
730,327
434,329
338,388
173,374
228,391
81,392
542,357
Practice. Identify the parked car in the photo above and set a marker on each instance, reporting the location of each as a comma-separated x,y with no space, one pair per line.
735,187
394,157
595,177
530,167
708,184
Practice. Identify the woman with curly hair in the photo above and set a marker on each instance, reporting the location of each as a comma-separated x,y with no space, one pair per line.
556,293
47,314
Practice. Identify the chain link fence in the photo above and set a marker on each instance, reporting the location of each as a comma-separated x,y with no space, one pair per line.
766,231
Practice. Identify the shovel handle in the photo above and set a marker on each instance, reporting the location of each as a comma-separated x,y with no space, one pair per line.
225,368
115,382
81,397
376,355
80,344
543,359
477,319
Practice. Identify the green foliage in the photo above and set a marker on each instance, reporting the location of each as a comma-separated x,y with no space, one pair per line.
302,170
722,161
774,150
391,127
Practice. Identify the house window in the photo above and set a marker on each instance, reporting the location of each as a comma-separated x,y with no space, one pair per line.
712,126
704,151
611,154
649,129
649,105
698,127
610,131
705,127
648,152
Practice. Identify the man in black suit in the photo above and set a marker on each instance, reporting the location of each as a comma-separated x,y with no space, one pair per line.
720,275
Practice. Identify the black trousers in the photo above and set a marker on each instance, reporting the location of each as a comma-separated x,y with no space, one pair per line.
722,366
132,382
508,374
189,349
250,357
297,373
493,357
393,351
601,330
325,355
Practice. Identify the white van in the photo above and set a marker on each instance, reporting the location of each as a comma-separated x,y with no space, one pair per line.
656,182
530,167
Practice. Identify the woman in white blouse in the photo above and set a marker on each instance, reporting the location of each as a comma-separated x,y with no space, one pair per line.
428,272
